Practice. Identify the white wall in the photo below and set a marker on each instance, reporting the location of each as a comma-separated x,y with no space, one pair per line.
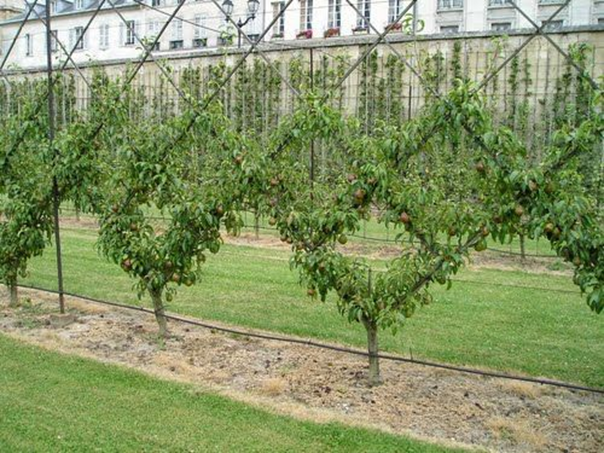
474,16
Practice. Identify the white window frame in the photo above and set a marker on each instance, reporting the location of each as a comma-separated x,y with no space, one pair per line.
364,7
29,45
279,27
130,33
54,43
104,36
306,12
200,24
501,26
447,28
450,4
177,27
496,3
77,32
394,10
334,14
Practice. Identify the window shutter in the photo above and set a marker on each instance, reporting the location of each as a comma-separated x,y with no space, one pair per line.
122,34
72,39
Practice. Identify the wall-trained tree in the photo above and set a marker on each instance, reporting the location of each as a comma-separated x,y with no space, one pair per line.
26,203
447,181
154,172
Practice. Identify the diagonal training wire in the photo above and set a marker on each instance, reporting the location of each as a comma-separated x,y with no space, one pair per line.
438,95
568,58
272,45
230,75
163,70
520,48
351,69
141,62
41,102
15,38
380,38
396,52
260,52
69,58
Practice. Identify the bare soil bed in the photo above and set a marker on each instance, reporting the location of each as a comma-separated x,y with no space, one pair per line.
446,407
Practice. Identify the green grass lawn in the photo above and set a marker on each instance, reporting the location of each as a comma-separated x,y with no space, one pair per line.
371,234
53,402
536,331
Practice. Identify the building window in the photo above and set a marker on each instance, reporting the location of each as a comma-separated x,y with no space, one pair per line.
600,20
501,26
176,44
130,33
499,3
54,44
79,4
155,2
450,4
53,6
334,14
306,14
104,36
394,10
553,24
449,29
200,27
550,2
279,27
153,29
177,30
364,7
29,45
78,38
200,42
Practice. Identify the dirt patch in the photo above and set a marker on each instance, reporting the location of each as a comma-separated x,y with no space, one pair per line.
443,406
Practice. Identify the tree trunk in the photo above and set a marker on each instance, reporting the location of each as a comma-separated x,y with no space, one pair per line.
160,315
257,225
373,348
522,247
14,294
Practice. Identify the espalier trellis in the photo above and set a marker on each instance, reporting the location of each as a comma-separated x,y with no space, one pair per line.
316,144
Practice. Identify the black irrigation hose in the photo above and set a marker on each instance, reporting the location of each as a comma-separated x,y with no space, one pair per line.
344,350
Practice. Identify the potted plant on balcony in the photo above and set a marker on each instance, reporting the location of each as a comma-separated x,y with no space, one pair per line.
360,29
331,32
406,25
305,34
277,36
226,37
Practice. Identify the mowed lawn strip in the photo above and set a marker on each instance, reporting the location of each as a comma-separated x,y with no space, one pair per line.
54,402
538,331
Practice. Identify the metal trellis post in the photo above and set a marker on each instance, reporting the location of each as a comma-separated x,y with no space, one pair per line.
51,137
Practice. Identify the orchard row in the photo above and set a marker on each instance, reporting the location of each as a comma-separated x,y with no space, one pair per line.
448,182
